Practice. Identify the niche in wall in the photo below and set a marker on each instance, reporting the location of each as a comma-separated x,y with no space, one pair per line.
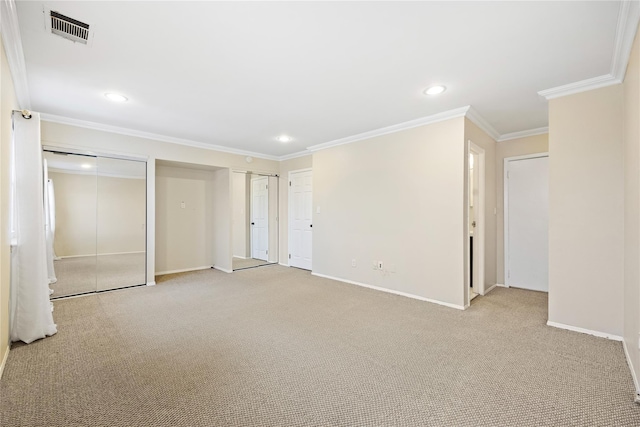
192,217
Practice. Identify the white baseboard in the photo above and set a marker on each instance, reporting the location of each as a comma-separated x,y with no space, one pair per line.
151,283
486,291
585,331
391,291
282,264
502,285
630,363
4,361
91,255
184,270
241,257
223,269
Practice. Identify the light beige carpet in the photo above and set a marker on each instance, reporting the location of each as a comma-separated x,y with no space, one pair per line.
279,347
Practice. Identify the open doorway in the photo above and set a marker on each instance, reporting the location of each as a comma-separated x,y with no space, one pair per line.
476,221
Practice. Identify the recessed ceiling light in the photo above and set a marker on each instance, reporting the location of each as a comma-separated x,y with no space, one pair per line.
434,90
284,138
116,97
85,166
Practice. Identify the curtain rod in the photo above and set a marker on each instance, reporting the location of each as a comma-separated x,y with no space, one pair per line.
25,113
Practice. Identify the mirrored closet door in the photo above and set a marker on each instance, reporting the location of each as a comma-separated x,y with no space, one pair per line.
98,222
255,220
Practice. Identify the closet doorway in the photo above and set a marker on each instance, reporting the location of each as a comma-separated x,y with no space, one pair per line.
96,221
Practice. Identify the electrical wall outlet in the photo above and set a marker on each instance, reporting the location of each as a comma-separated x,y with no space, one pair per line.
353,262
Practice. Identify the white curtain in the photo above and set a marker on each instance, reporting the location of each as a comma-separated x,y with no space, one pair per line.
49,212
31,316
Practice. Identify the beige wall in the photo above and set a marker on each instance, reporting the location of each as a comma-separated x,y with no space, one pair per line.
631,89
586,221
184,236
222,244
110,212
515,147
8,103
287,166
396,198
476,135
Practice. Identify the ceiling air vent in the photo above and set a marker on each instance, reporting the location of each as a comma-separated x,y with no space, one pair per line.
69,28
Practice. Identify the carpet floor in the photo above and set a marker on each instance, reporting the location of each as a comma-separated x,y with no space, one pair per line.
279,347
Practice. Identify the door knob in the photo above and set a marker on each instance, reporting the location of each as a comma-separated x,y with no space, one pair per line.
253,223
310,225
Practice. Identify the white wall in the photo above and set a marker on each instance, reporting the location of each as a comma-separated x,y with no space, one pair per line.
516,147
184,236
396,198
631,89
586,210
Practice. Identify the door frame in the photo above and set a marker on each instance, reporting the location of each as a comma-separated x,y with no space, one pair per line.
505,214
289,209
479,233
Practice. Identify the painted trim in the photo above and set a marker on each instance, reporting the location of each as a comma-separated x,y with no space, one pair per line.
151,283
91,255
505,208
630,363
585,331
490,289
391,291
502,285
294,155
284,265
12,41
184,270
224,270
473,115
434,118
523,134
73,149
149,135
480,219
4,360
626,28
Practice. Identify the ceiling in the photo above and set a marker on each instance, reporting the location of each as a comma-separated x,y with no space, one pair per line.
239,74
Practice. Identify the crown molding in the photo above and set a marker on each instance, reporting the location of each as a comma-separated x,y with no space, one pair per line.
478,120
15,56
434,118
523,134
581,86
153,136
294,155
626,27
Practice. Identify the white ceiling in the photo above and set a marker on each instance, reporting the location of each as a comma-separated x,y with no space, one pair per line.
238,74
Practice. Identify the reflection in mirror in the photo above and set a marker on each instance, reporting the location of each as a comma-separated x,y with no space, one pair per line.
121,223
72,181
255,220
97,222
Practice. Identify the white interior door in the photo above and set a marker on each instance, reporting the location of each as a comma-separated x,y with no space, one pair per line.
300,219
260,218
527,223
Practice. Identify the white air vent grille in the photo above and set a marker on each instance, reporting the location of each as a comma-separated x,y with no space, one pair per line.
69,28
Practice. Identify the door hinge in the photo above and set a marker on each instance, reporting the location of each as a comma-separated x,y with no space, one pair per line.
289,256
266,187
289,183
267,252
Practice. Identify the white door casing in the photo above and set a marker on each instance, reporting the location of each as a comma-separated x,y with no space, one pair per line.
300,218
479,195
260,218
526,221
